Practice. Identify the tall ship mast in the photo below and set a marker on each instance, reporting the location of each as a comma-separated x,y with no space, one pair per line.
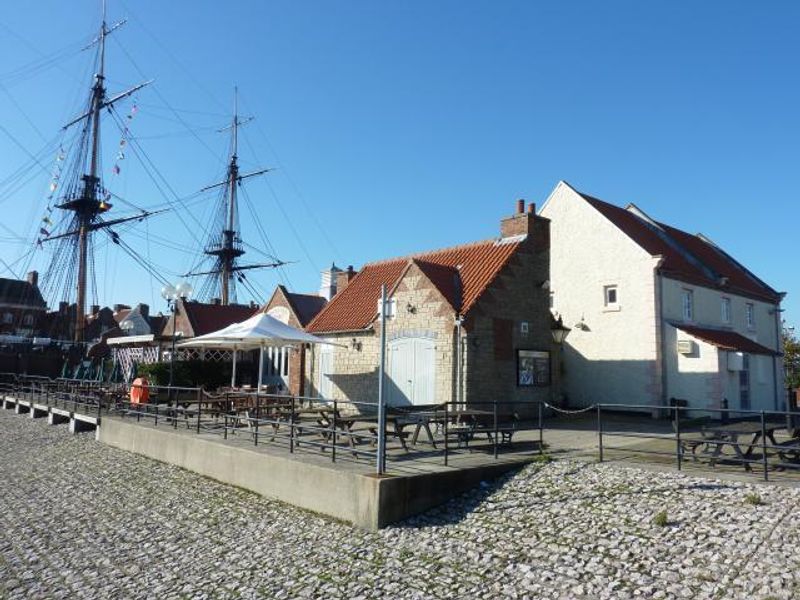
84,198
224,243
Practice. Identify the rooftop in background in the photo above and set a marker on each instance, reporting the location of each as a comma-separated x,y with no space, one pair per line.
205,318
691,258
306,306
21,292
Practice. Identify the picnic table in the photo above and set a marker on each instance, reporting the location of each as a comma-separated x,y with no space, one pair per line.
729,434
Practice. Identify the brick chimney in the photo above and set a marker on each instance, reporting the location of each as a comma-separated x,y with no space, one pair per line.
95,308
33,278
343,278
527,223
144,310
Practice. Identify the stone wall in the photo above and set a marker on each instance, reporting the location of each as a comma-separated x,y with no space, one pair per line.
513,314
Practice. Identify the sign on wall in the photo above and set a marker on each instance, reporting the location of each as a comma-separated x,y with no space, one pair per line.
533,368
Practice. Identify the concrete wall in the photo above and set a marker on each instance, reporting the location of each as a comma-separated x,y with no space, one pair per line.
615,358
356,497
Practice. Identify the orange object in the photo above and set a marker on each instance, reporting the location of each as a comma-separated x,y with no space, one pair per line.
140,392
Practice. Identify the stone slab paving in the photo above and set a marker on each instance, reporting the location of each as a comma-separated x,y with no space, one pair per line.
82,520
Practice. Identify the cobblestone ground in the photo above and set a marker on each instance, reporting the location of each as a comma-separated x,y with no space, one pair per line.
80,519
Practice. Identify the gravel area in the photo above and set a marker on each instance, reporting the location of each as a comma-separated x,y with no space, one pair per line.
81,520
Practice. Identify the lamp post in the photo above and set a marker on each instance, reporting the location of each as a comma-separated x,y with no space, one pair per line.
171,293
560,333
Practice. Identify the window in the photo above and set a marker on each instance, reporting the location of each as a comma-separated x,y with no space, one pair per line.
27,321
744,382
726,310
552,299
749,315
610,295
687,300
8,318
533,368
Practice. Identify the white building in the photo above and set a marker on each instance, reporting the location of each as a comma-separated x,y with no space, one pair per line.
657,313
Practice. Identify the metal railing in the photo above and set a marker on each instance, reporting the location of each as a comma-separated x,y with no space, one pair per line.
708,435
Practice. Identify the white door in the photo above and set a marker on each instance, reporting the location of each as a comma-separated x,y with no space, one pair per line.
325,370
412,372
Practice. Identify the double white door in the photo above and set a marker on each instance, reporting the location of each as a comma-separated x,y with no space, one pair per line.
411,371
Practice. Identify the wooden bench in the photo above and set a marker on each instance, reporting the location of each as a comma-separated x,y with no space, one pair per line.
693,434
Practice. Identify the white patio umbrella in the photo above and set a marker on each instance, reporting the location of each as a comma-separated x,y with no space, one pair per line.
259,331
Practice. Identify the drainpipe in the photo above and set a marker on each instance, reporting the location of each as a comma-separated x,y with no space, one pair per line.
778,339
459,320
661,342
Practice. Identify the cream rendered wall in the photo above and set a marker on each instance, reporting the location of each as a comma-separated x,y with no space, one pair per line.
616,359
765,371
696,377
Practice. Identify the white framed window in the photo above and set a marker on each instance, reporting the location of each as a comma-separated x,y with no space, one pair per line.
687,304
552,300
750,315
726,310
610,296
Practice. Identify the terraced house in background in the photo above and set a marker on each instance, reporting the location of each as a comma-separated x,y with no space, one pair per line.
466,324
658,313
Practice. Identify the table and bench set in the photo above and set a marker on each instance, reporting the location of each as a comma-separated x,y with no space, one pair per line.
707,437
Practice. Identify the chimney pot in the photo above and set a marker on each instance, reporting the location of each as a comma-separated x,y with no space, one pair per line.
520,206
532,208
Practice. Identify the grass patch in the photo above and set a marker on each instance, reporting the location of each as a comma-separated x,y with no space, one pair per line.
660,519
754,499
542,458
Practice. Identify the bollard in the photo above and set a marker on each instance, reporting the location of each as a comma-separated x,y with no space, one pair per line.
495,429
446,449
600,431
678,449
333,432
764,446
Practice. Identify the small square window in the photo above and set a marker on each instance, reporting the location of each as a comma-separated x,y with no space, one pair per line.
611,295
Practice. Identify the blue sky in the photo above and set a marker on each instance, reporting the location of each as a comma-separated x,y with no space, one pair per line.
399,127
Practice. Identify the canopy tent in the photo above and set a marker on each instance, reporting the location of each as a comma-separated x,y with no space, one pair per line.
259,331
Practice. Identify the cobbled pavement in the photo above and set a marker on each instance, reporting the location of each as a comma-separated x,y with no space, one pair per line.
83,520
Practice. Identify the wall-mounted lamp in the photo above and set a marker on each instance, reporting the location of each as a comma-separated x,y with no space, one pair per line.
355,345
582,325
559,331
411,308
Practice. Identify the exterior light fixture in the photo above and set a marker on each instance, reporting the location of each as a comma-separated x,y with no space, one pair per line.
559,331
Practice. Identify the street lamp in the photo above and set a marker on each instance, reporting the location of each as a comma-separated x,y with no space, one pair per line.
171,293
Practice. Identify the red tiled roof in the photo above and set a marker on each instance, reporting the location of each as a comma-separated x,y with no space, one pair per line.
476,266
686,257
725,339
206,318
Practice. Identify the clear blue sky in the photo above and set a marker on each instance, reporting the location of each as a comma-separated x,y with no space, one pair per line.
414,125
